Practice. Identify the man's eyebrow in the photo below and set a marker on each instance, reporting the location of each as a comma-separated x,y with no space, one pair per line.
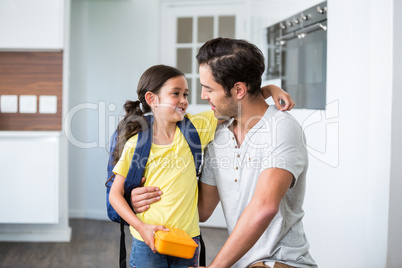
205,86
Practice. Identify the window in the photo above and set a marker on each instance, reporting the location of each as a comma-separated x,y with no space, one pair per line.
186,28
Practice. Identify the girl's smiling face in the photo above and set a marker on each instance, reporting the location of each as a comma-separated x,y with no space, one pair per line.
171,103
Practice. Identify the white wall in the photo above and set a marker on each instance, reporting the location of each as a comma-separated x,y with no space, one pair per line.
112,43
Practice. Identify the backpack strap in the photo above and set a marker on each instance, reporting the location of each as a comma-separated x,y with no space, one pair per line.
112,214
110,166
193,139
139,160
122,253
137,166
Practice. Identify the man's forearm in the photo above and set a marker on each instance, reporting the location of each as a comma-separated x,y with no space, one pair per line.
269,90
249,228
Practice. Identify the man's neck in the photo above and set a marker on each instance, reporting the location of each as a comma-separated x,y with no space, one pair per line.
250,113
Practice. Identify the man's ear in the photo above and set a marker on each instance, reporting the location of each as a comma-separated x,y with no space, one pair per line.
240,90
151,99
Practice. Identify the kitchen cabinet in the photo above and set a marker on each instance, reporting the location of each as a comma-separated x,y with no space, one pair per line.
34,186
29,178
33,161
31,25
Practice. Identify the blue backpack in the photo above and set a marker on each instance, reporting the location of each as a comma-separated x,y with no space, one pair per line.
136,171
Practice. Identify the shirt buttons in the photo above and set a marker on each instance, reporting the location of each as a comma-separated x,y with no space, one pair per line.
238,155
236,146
235,180
237,168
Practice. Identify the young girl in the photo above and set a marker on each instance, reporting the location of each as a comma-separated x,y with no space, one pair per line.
164,91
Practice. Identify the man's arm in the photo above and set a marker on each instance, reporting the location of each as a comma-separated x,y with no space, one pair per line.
270,189
142,197
208,199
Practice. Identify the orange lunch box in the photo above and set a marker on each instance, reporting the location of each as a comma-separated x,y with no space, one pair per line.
175,242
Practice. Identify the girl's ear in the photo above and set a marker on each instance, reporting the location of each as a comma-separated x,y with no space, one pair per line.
151,99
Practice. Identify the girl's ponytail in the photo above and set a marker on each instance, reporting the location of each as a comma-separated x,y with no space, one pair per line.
132,123
133,107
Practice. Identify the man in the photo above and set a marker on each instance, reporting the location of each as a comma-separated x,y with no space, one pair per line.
256,165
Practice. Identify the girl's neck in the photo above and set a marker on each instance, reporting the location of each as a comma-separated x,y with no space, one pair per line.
163,132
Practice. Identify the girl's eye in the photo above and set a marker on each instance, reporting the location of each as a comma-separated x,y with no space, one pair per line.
186,95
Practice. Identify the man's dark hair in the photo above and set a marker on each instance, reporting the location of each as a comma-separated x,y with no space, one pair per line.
232,61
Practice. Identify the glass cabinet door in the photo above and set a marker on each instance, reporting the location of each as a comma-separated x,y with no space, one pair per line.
192,33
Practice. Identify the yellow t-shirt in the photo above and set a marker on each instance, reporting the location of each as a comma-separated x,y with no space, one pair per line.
172,169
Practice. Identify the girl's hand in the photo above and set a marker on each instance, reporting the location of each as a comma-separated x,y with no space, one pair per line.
277,95
147,232
288,102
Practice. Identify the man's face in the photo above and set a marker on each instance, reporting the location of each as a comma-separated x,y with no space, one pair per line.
224,107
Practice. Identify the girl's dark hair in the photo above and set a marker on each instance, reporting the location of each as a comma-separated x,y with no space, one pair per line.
232,61
133,122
